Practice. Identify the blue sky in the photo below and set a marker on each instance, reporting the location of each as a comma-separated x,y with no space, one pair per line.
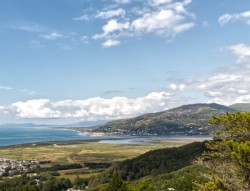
74,60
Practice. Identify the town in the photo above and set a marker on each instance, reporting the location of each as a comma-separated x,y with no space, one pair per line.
9,167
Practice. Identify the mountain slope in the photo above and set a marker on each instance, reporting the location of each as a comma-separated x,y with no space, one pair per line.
154,163
187,119
241,106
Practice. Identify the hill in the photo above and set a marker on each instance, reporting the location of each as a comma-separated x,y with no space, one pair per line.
241,106
154,163
184,120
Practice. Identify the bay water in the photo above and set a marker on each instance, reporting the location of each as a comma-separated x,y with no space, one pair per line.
21,135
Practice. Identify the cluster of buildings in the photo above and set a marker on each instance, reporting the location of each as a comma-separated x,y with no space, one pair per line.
13,166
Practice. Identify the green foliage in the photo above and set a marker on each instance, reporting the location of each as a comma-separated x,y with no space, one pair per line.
144,185
160,161
79,183
230,143
178,120
216,184
181,180
115,183
42,182
153,163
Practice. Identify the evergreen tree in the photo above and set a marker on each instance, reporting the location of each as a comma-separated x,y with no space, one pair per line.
230,145
115,183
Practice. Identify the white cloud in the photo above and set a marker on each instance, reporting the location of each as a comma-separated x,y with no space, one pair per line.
158,2
224,87
110,32
6,88
232,100
232,85
111,13
52,36
175,87
35,109
29,27
110,42
242,52
122,1
213,94
26,91
113,26
166,18
92,109
82,18
243,16
161,22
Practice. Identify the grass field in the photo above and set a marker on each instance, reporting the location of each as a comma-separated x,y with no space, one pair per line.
80,151
67,152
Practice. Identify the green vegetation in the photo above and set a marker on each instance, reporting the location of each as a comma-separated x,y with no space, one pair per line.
68,152
243,107
78,158
229,155
222,164
181,179
184,120
42,182
153,163
225,165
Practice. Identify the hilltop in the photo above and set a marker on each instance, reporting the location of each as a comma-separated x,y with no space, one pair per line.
185,120
241,106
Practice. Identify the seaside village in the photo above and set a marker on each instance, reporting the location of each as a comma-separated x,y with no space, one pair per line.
13,166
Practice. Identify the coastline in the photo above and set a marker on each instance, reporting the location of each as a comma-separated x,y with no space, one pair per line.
65,136
114,140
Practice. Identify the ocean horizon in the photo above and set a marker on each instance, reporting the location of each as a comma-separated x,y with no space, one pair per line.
22,135
25,135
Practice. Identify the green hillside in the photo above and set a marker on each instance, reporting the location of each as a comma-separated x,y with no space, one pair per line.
181,180
184,120
153,163
241,107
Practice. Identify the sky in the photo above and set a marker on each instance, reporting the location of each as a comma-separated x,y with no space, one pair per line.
65,61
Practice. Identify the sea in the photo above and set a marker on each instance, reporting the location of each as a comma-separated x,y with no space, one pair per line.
21,135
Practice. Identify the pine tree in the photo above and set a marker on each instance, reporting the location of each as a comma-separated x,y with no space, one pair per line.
115,182
231,144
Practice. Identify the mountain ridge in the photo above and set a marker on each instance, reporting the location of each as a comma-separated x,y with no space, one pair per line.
189,119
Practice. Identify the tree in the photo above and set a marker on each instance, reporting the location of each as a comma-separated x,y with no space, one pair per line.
141,186
115,183
79,183
230,145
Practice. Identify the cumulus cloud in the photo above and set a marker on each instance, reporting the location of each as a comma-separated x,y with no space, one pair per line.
165,18
243,16
242,52
232,85
96,108
163,22
111,27
111,42
175,87
41,108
